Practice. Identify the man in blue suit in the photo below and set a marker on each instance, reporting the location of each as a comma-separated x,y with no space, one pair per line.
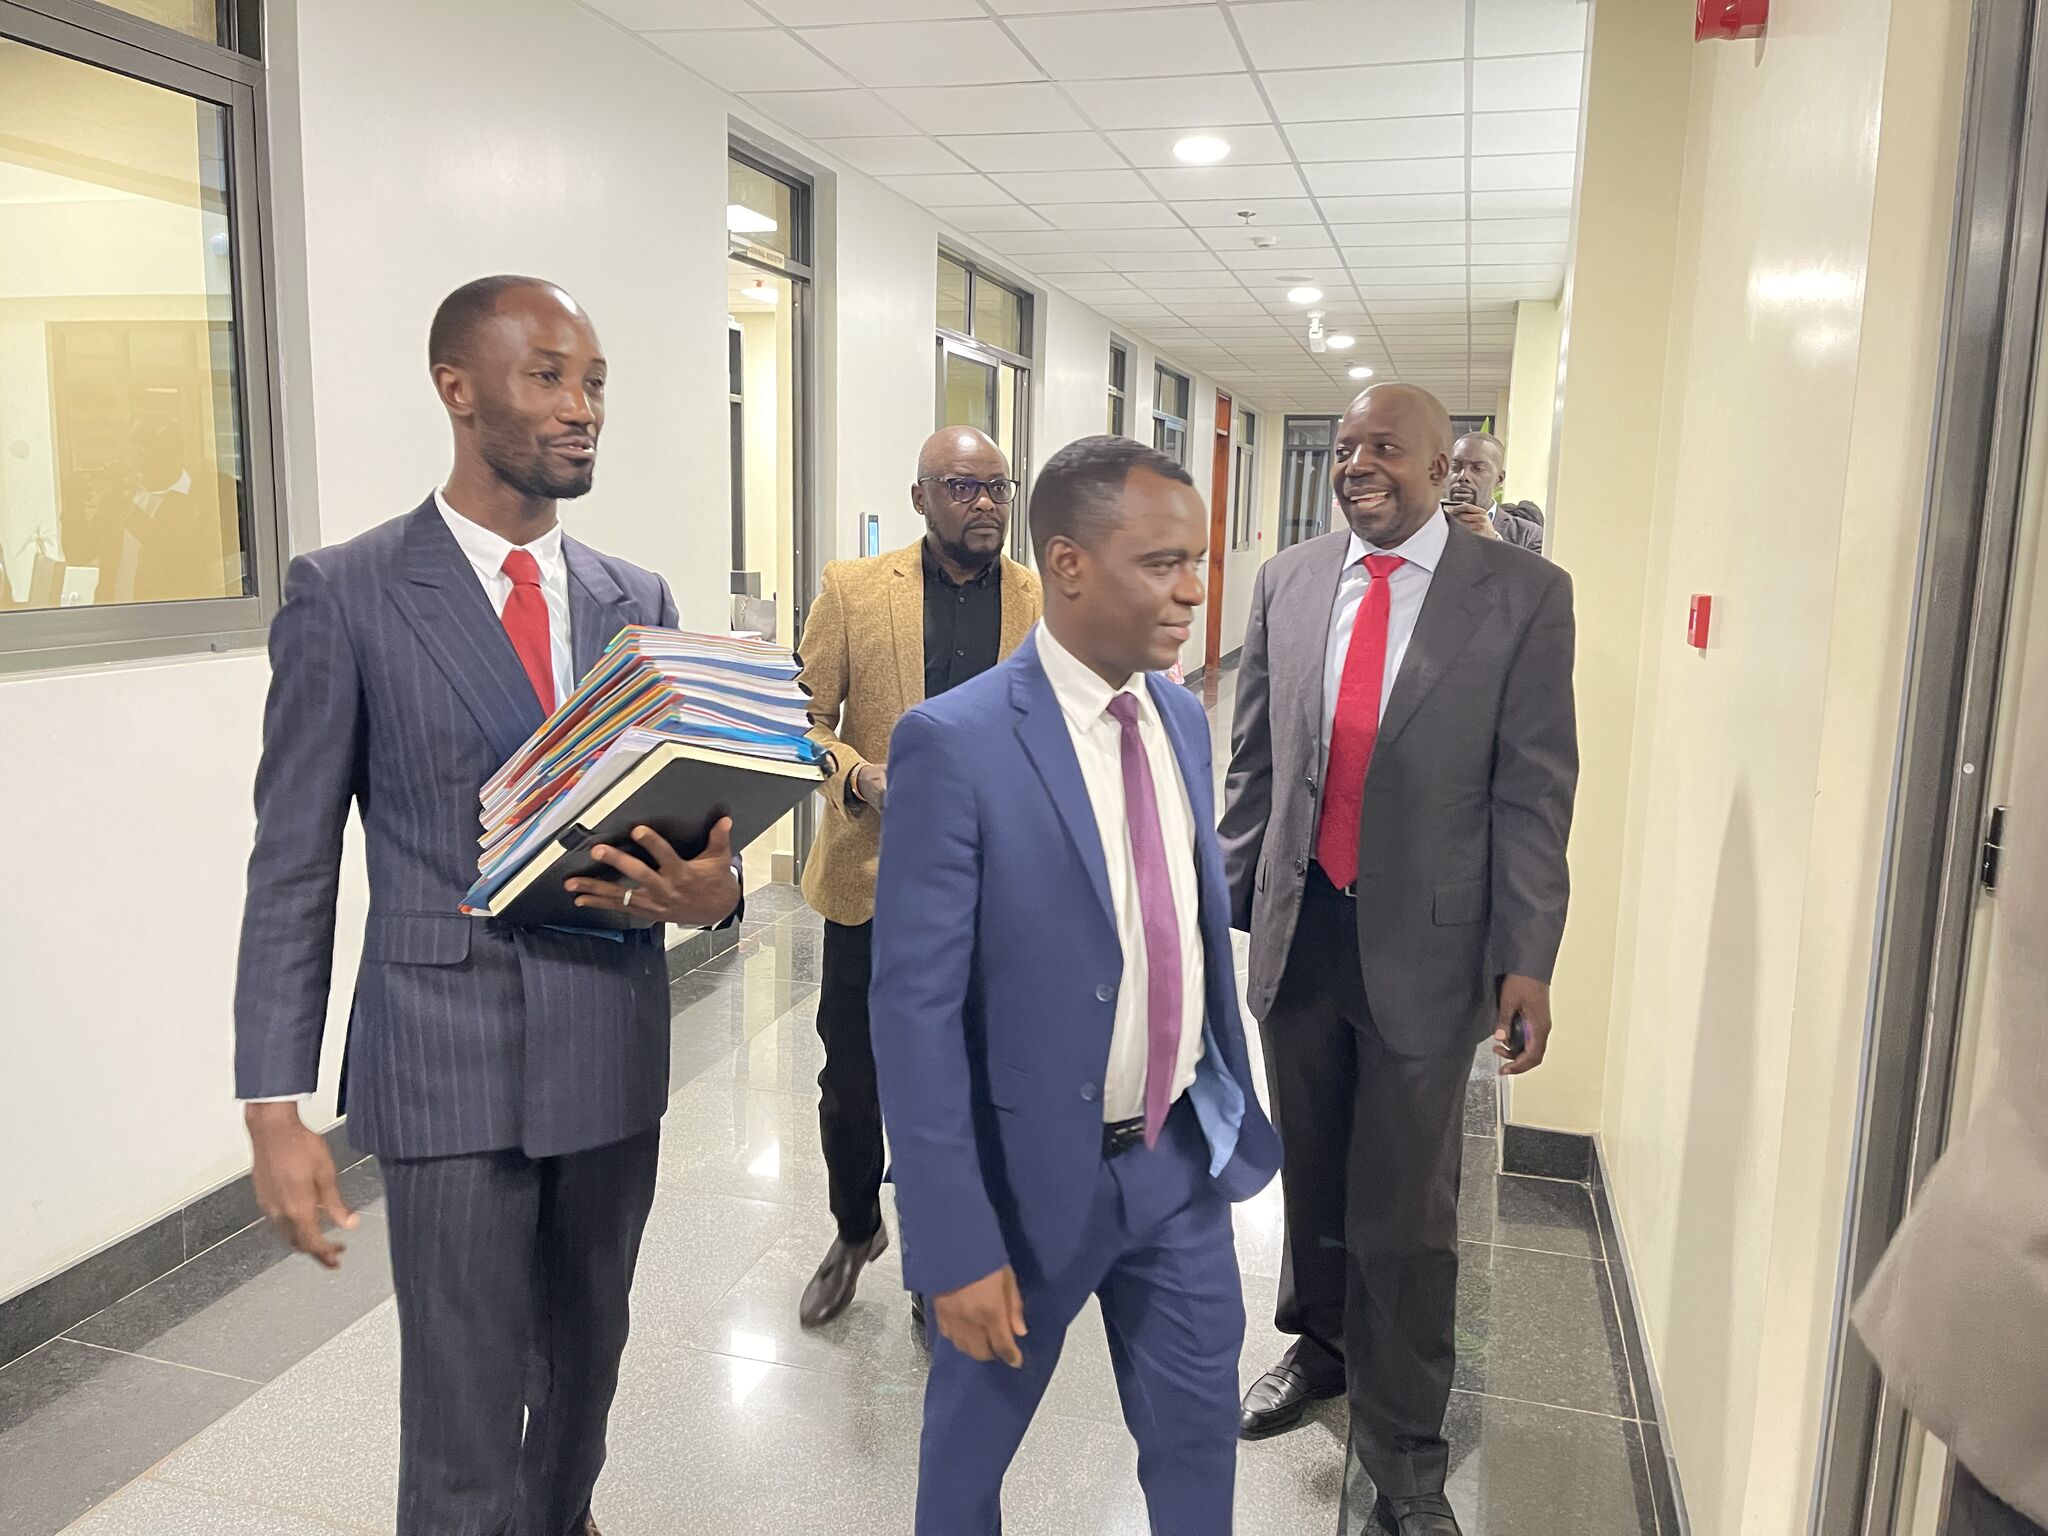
1062,1066
511,1081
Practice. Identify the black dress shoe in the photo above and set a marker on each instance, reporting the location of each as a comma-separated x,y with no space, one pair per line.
831,1288
1278,1400
1426,1514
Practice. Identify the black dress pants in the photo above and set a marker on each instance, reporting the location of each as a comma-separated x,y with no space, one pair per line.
850,1107
1369,1184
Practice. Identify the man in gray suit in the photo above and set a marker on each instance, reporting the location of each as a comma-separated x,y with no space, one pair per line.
1400,790
1479,462
510,1081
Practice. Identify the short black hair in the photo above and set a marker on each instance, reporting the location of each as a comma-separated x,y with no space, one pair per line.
1075,495
1481,437
467,308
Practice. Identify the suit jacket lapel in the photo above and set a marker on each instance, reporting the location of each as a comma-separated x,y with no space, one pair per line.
598,609
1017,615
1311,637
1451,614
446,606
1042,730
906,621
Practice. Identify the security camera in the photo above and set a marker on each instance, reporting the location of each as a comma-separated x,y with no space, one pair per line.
1315,331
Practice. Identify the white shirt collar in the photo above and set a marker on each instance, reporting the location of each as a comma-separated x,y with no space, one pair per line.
1425,546
1083,696
487,550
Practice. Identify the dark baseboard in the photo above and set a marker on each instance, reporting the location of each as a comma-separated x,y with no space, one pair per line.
1537,1153
1194,679
35,1316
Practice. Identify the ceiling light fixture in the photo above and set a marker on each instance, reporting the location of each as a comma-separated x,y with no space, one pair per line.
742,220
1342,343
1303,295
1201,149
1361,372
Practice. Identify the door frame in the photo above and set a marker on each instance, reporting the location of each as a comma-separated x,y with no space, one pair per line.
1219,534
1929,891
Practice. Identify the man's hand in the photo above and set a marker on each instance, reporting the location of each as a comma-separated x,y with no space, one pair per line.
697,893
1528,998
984,1320
295,1183
1474,517
871,784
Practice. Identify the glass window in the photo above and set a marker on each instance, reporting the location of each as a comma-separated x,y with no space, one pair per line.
122,478
952,296
998,315
760,210
1170,413
195,18
971,394
1244,508
1119,368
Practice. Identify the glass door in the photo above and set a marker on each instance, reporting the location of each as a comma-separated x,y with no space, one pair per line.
1305,478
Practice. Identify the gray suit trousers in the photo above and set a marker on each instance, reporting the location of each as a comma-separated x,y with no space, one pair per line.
512,1276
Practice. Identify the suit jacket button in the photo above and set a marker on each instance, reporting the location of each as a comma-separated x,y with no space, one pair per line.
1301,866
1088,1092
1309,779
1105,994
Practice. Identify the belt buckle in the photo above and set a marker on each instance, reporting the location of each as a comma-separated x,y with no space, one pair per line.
1118,1137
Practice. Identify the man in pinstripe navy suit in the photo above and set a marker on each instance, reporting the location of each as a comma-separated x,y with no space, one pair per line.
511,1082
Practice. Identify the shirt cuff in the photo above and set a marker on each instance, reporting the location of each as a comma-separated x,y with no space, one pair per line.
280,1098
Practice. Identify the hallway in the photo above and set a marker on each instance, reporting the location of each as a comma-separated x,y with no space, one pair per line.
248,1394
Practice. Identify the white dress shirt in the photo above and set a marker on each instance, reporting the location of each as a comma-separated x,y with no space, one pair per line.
1084,700
487,551
1406,589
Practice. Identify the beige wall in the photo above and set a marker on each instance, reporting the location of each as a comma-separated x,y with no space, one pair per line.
1531,413
1732,819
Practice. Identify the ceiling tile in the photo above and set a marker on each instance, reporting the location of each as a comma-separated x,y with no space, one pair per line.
830,114
1385,138
1374,210
1507,173
1071,264
1385,277
680,15
1495,253
1302,34
1384,90
1364,258
999,219
1525,133
1279,259
1159,258
1220,307
750,61
820,13
1030,241
1186,101
1089,283
1072,151
1290,236
1205,298
1381,178
1525,272
1148,241
1044,7
1112,216
1529,26
1121,45
1487,231
1250,144
1527,290
904,53
1375,293
1541,82
1418,232
1145,270
1122,186
946,109
966,191
897,155
1521,205
1267,212
1236,183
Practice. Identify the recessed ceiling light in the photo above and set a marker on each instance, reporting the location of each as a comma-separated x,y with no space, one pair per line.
1341,343
1303,295
1201,149
742,220
1361,373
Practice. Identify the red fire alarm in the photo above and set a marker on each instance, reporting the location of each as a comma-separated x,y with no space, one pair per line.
1698,622
1721,20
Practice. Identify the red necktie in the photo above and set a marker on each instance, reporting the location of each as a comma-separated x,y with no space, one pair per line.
526,621
1357,726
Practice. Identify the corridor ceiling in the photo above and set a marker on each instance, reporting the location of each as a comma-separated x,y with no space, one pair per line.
1413,159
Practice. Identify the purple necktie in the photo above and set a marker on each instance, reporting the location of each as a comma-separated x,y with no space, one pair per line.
1162,928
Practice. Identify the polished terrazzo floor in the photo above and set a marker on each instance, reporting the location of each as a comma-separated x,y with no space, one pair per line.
246,1394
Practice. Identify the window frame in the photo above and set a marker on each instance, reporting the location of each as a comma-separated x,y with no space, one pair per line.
42,639
1164,420
966,345
1245,472
1119,393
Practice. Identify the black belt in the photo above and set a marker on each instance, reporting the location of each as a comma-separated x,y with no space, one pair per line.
1322,877
1119,1136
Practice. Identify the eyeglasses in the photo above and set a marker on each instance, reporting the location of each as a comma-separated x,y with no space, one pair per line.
967,492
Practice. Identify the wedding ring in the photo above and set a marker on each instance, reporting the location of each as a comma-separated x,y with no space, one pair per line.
628,901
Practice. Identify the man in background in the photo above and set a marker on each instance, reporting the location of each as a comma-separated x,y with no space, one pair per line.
1062,1064
1404,757
887,633
511,1081
1478,465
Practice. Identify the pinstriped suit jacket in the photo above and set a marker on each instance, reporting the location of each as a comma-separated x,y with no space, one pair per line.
395,689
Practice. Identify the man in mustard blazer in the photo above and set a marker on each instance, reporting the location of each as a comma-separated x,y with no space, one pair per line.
886,634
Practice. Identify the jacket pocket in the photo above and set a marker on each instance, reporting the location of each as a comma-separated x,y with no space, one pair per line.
417,938
1462,903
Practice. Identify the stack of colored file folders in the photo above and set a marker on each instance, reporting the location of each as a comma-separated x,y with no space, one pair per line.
669,730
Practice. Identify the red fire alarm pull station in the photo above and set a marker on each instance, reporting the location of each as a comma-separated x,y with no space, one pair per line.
1725,20
1698,622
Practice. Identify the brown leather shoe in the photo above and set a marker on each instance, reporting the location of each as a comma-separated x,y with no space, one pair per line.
1427,1514
831,1288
